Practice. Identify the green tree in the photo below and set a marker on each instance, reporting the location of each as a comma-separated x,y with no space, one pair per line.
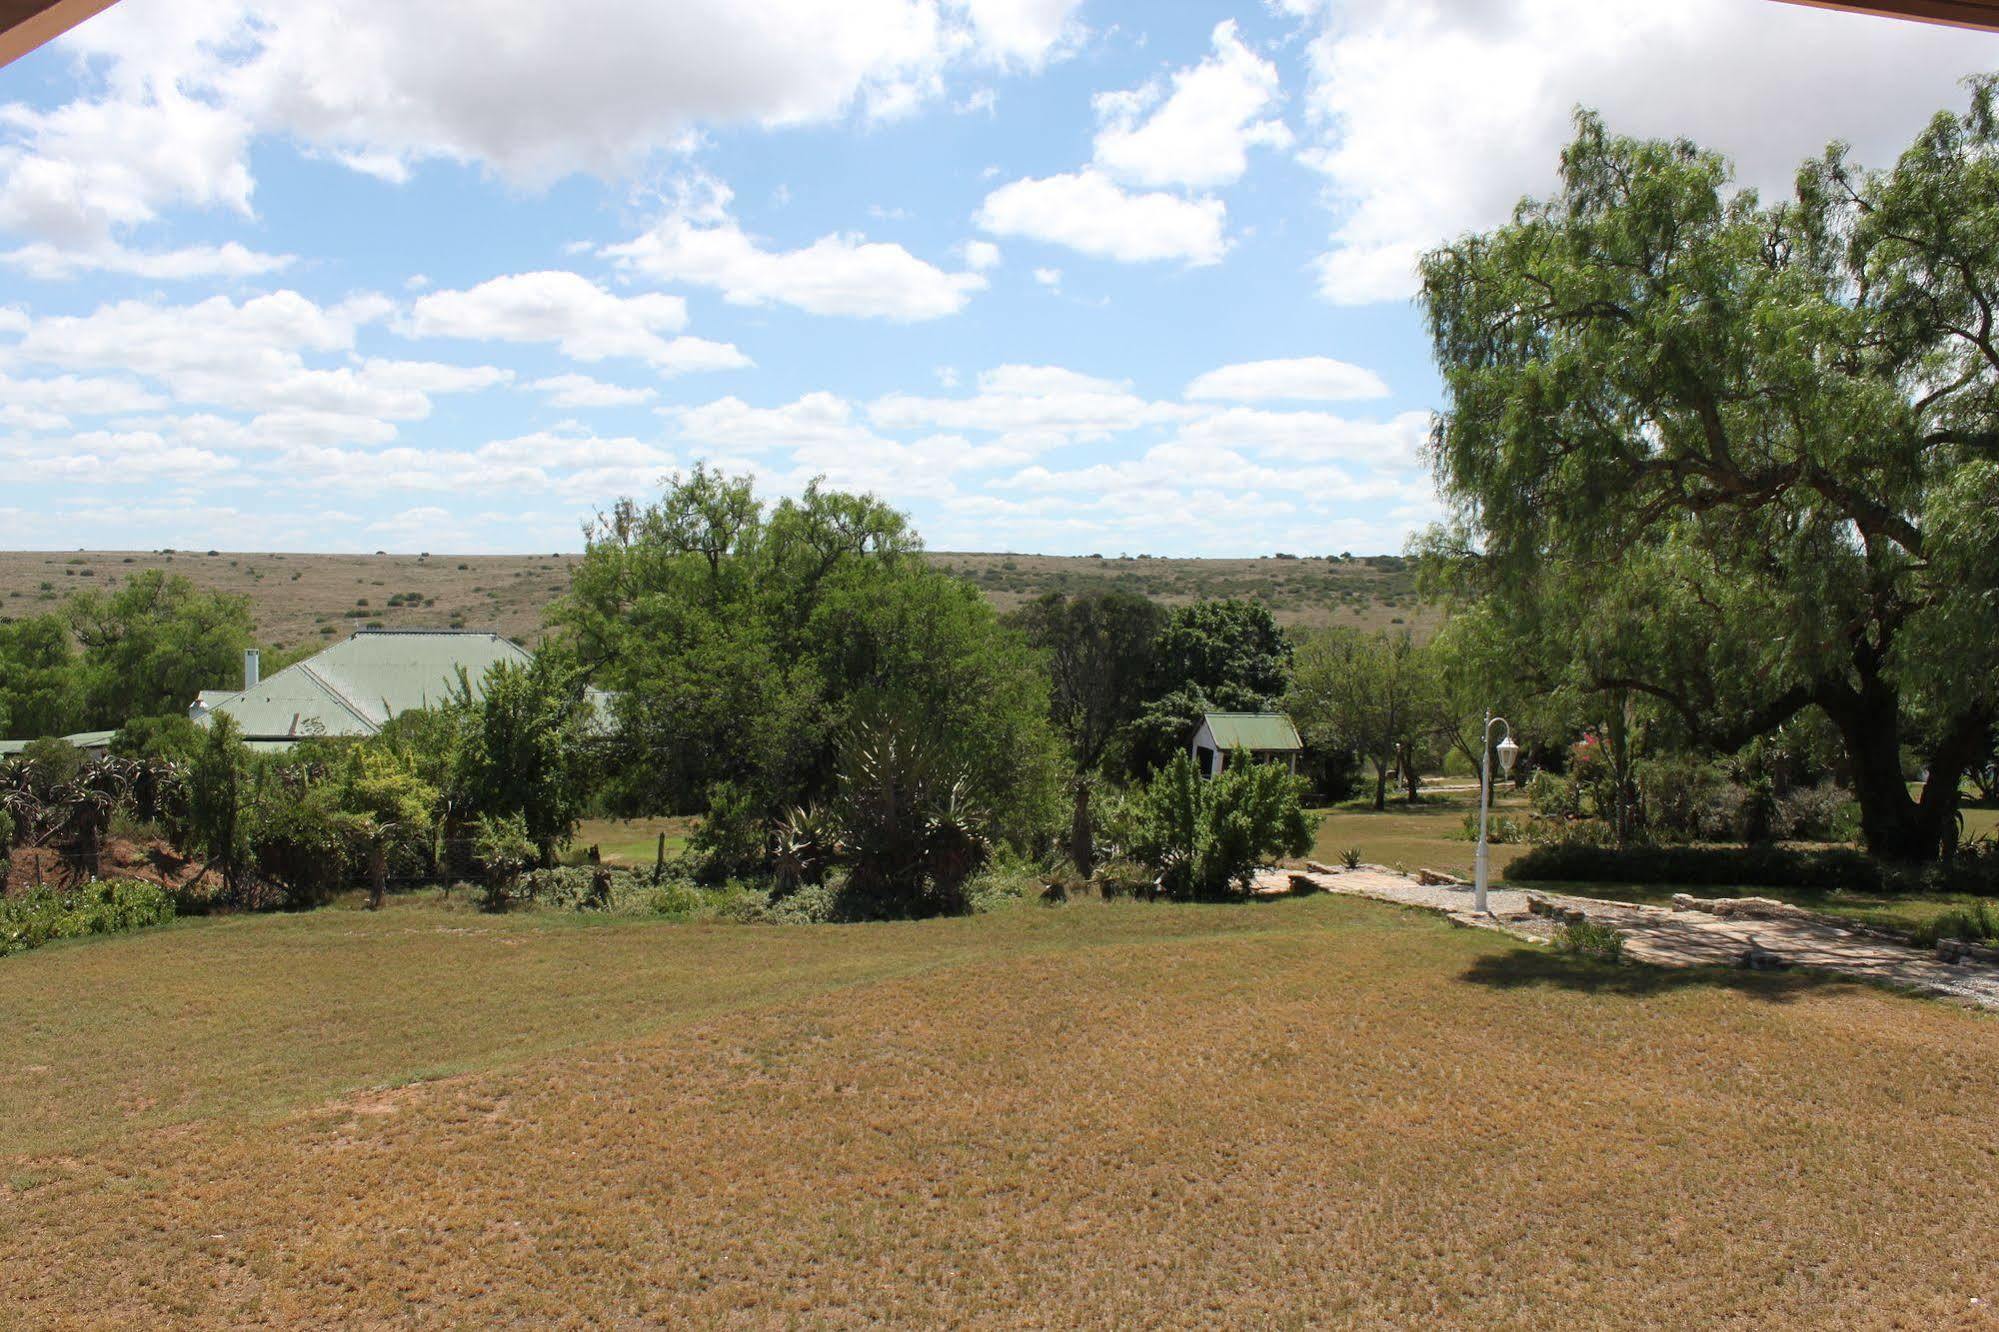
151,645
41,681
1099,651
1230,649
218,786
1206,837
1742,459
1224,655
392,812
1374,694
741,641
523,748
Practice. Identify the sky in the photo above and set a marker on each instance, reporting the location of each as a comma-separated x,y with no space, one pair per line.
1063,276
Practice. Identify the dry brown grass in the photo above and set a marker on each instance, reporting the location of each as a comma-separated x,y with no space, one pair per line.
1310,1113
307,600
304,600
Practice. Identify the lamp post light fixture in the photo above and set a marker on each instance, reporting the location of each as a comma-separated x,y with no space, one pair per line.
1508,751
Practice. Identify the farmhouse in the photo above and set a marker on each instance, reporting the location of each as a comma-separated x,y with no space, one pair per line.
354,687
1268,736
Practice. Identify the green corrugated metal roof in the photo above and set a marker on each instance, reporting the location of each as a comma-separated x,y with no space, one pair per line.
81,739
355,686
1253,730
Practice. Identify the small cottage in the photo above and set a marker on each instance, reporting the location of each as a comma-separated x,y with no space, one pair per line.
1269,737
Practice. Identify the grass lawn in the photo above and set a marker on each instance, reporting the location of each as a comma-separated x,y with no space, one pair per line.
1427,835
1298,1113
628,841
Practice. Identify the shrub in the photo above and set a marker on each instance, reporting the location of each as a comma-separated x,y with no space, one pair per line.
502,850
1820,813
1500,829
1571,832
110,906
1350,858
1554,796
999,886
1683,799
1590,938
1206,837
729,842
674,897
808,904
301,844
1124,878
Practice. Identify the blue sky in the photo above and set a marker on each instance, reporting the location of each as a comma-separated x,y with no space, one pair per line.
1053,275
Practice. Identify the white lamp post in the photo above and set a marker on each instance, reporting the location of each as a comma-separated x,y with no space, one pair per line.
1507,752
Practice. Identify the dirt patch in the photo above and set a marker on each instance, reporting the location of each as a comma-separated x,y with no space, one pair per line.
150,860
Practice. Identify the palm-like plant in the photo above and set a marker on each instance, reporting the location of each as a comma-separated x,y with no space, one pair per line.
911,831
804,842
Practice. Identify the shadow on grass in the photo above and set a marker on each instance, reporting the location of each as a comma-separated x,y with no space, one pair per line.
1526,968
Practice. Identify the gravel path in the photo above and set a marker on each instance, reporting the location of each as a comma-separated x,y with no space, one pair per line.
1664,936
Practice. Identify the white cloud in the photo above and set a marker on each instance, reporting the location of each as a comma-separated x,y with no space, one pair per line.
1408,169
1049,277
1200,135
1308,378
839,274
112,457
229,260
582,391
981,256
584,320
73,174
1088,212
1313,436
250,355
538,91
1041,405
1023,32
72,396
815,419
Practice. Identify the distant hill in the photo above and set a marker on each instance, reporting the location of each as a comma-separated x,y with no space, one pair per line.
299,600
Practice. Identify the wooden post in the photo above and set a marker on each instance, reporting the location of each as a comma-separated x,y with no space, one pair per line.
659,860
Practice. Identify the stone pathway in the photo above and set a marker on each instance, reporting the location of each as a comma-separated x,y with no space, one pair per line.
1668,937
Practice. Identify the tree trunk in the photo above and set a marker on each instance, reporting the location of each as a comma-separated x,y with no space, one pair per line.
1381,782
1082,842
378,876
1411,780
1894,824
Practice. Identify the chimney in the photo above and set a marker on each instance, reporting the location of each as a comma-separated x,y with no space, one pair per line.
250,668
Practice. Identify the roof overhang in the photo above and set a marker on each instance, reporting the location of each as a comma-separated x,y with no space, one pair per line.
26,24
1980,14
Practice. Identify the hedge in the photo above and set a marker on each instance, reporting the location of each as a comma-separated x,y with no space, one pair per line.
1704,866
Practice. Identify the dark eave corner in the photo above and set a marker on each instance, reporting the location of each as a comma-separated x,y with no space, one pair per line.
26,24
1980,14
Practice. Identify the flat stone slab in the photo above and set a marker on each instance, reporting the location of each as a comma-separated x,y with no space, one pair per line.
1668,937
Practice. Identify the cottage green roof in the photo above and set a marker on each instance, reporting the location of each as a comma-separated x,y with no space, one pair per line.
1253,731
355,686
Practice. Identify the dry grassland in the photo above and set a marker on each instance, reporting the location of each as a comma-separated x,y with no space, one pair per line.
1309,1113
305,600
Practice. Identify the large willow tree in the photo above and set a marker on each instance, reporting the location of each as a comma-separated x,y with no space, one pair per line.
1743,459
